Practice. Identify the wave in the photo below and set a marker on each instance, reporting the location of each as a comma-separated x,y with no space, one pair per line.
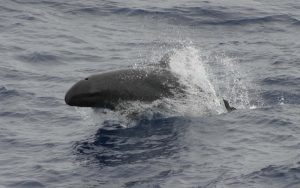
6,93
283,80
274,175
7,9
29,75
113,145
39,57
256,20
197,15
193,16
27,183
89,10
13,94
44,2
274,96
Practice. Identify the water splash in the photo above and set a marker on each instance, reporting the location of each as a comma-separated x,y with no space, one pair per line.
96,116
210,77
281,100
184,61
207,80
201,97
229,82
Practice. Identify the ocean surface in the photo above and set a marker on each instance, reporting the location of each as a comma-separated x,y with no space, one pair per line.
246,51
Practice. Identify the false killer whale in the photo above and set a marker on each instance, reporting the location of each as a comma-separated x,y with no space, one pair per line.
107,90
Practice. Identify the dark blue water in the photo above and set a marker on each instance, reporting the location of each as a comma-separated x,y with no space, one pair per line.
244,51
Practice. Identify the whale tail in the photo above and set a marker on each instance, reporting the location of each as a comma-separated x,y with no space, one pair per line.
228,107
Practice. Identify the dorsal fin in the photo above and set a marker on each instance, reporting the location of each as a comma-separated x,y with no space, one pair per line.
165,60
227,106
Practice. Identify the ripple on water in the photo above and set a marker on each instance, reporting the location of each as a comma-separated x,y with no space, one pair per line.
272,175
27,184
275,97
206,15
149,139
44,58
283,80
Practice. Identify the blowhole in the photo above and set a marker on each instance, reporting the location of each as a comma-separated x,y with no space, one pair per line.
86,79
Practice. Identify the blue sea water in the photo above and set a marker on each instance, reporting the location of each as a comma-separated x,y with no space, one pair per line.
247,52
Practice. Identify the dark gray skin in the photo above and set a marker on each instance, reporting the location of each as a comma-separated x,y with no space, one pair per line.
107,90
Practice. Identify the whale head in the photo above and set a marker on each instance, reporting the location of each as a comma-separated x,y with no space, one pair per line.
108,89
82,94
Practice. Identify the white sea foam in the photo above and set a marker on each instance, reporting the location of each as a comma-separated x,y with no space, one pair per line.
208,79
201,97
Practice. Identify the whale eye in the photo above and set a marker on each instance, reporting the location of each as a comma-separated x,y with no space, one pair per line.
86,79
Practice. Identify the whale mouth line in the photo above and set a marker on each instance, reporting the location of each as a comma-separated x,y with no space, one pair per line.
88,100
93,100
